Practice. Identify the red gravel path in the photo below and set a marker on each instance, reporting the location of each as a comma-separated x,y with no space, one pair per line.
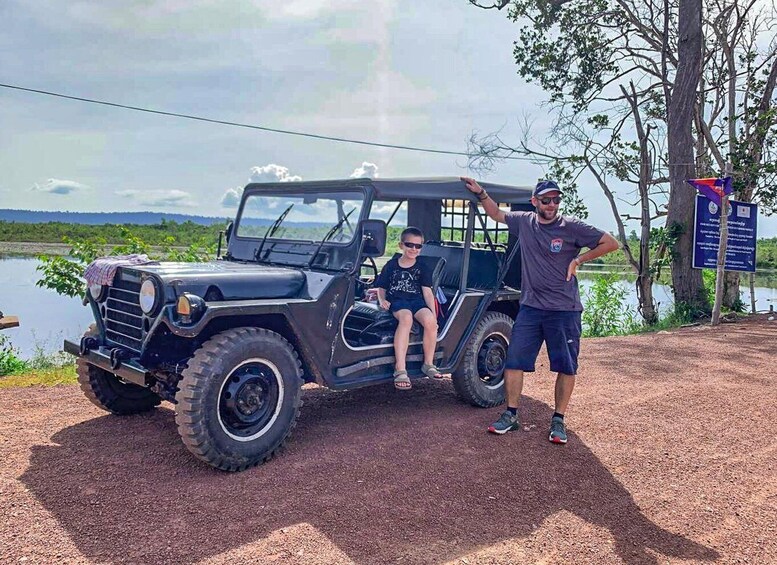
671,458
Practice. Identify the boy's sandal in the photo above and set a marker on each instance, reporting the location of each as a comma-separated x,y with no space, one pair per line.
431,371
402,381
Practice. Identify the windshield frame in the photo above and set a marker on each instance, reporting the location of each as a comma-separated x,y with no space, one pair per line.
284,192
283,251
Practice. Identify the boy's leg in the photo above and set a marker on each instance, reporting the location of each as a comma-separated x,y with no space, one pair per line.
429,323
402,338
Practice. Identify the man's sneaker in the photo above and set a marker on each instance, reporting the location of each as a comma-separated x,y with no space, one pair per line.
558,431
507,422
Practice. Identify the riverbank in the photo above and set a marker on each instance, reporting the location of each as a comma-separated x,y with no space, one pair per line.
28,249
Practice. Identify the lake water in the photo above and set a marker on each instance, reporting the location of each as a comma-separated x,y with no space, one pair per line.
47,318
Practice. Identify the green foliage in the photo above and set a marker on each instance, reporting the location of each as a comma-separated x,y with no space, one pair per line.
605,311
565,175
10,362
64,275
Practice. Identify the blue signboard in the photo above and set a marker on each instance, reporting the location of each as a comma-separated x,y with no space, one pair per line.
740,248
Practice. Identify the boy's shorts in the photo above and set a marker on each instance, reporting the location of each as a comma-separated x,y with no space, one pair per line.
560,330
412,304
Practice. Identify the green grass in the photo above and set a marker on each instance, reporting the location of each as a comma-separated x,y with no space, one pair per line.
41,377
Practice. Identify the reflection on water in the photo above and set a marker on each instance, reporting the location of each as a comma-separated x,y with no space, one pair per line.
46,318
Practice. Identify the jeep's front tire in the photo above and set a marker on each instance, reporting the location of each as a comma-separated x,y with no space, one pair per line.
479,378
239,398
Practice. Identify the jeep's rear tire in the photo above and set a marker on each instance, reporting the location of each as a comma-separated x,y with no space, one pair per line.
239,398
479,377
106,390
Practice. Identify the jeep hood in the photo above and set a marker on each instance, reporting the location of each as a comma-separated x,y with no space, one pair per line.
234,281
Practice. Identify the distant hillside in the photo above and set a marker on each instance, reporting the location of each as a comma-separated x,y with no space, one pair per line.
100,218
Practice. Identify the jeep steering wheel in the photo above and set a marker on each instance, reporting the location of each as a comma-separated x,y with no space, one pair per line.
370,263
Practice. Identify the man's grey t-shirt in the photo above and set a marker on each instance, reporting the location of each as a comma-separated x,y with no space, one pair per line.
546,252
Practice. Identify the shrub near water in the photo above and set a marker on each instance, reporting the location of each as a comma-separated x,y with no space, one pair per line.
10,362
606,312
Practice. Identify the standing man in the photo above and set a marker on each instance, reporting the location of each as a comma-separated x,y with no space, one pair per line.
550,301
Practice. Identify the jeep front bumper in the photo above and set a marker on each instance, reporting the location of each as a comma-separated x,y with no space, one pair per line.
101,357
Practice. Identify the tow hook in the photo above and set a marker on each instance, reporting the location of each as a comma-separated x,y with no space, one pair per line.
87,343
117,356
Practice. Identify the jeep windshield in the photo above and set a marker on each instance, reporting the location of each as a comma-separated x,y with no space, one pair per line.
303,220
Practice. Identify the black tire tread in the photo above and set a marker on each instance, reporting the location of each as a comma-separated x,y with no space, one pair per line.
189,418
465,376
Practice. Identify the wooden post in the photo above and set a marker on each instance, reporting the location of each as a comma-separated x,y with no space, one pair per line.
721,252
8,322
752,292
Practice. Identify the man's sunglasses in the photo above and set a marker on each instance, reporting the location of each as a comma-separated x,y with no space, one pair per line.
412,245
548,199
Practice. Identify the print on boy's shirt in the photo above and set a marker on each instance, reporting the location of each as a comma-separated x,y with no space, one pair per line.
404,282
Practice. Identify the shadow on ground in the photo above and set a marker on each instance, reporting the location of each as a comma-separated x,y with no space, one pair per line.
382,475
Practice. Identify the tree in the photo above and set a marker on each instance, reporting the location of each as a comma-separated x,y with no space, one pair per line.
608,65
608,69
686,281
736,113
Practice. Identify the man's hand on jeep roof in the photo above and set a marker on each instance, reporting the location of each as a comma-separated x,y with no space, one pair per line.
472,185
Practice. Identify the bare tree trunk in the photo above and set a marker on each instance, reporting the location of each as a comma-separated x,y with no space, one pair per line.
686,281
755,147
731,289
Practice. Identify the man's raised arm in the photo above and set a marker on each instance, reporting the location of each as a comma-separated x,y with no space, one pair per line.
491,208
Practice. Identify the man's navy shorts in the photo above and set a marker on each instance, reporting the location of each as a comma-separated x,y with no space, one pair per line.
412,304
560,330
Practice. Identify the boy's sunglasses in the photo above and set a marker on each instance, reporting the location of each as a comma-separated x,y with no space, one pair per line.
412,245
548,199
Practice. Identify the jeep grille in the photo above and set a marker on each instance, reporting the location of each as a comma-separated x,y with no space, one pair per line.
123,316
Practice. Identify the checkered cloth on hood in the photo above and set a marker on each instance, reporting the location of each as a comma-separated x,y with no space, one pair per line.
103,269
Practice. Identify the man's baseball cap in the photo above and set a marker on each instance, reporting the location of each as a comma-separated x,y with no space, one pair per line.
545,186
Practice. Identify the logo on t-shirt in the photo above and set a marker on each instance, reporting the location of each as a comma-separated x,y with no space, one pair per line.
555,245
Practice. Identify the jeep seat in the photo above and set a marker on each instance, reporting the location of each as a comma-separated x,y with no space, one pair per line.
483,266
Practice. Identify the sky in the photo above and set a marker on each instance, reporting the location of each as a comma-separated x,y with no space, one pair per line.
403,72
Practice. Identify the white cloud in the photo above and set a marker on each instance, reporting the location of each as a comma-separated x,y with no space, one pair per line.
158,198
272,173
57,186
267,173
367,169
232,197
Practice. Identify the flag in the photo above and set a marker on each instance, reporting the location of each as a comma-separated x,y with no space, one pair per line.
713,188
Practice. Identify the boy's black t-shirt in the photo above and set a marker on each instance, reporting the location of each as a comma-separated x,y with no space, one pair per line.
401,283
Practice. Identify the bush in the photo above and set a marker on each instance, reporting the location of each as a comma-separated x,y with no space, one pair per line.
605,311
10,362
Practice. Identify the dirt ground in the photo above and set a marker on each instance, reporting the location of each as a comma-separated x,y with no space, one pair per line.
671,458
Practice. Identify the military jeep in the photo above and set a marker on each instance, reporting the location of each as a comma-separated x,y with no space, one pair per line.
230,342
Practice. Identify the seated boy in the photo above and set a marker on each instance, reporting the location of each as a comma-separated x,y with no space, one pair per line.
405,289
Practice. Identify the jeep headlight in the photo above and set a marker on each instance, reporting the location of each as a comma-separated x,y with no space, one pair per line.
148,296
98,291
